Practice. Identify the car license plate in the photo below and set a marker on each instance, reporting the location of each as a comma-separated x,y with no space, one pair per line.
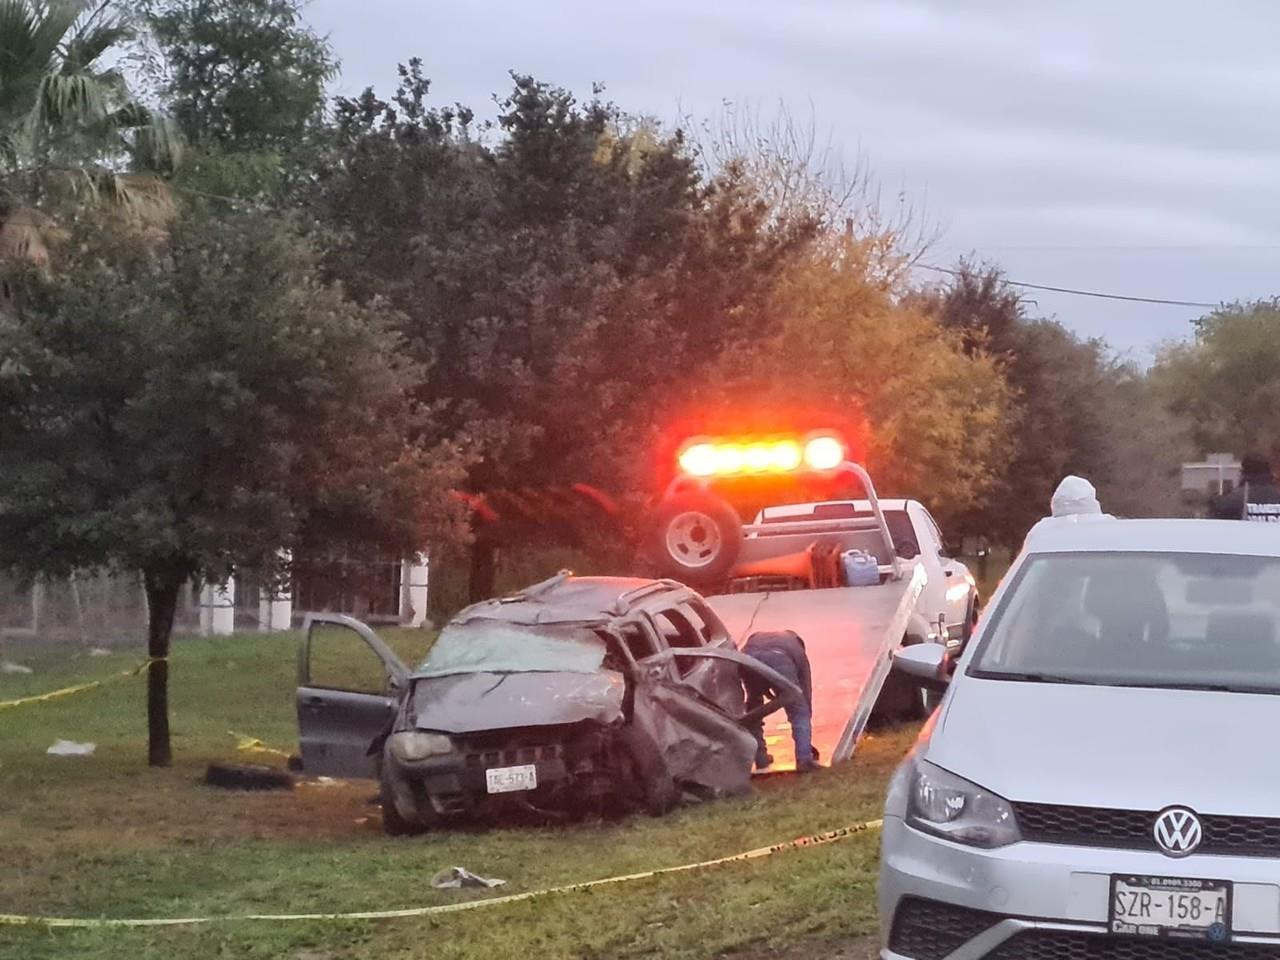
1171,907
511,779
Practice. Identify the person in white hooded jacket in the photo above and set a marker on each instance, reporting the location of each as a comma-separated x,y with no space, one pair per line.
1075,497
1074,500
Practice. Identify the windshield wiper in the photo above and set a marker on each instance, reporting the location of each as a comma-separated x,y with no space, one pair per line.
1029,677
1208,687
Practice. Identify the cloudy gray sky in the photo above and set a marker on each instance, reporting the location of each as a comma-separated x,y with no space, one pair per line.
1128,147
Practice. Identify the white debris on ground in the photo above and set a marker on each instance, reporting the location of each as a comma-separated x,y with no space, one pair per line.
70,748
7,666
320,782
99,652
455,878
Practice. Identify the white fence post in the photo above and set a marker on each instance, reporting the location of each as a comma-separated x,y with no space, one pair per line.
275,604
414,578
218,608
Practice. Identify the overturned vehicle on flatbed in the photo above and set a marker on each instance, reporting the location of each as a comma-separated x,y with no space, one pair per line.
577,695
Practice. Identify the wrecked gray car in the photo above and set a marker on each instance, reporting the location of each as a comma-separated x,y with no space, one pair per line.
577,695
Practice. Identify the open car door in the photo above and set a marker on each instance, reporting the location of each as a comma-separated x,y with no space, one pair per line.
350,684
702,747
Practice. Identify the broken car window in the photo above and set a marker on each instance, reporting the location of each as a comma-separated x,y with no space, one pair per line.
638,642
679,633
341,660
677,630
493,646
705,622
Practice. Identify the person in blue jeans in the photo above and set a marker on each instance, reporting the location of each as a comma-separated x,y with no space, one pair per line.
784,652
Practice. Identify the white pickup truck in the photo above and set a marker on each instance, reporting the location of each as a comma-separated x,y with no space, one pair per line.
948,604
785,571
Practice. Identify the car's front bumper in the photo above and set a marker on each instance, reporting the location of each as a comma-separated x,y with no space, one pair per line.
1030,890
449,785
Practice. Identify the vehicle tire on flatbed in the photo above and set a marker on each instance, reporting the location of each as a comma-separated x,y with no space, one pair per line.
696,538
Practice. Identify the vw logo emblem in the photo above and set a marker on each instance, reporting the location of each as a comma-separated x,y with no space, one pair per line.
1178,832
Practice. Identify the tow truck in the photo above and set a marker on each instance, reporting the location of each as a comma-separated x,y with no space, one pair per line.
792,567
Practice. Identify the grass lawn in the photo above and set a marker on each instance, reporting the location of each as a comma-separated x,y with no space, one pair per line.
107,836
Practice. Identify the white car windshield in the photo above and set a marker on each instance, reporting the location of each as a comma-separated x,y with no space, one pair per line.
1180,621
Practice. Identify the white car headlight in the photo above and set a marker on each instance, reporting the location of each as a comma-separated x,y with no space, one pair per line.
413,745
951,807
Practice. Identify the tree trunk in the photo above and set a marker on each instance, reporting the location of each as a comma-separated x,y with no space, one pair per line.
484,562
162,585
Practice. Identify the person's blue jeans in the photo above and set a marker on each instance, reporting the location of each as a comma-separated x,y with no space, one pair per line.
799,710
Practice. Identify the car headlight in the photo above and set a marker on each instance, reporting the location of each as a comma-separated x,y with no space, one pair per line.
951,807
419,746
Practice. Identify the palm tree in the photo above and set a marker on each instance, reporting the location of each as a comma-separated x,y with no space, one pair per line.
68,121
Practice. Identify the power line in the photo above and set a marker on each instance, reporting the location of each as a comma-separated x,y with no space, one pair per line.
1082,293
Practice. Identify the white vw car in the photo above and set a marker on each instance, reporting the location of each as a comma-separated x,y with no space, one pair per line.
1102,778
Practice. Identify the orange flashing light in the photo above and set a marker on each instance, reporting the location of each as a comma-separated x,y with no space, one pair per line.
751,456
823,453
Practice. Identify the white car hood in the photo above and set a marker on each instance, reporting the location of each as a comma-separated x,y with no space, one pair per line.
1124,748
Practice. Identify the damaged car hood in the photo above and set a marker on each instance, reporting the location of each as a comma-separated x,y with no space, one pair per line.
474,702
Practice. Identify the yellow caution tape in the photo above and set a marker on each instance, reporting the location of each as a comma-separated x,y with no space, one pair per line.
831,836
246,744
78,688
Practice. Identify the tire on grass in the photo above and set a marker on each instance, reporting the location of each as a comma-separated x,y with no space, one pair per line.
903,699
248,776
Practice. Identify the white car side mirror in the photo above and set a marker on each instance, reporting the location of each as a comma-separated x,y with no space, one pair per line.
922,661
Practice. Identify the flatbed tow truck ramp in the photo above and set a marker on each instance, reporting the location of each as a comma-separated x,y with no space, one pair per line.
850,634
782,573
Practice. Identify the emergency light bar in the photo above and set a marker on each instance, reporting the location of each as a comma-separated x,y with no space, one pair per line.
755,456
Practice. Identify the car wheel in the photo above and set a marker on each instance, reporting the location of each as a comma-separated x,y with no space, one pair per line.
647,782
971,621
902,700
926,702
697,537
393,825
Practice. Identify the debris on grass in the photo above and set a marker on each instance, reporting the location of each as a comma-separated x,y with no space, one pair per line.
320,782
7,666
455,878
70,748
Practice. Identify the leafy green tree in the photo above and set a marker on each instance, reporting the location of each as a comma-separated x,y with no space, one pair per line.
1224,381
567,273
1060,418
245,75
245,81
1147,443
927,417
185,405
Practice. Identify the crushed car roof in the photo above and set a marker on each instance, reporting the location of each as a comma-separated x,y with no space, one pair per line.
567,599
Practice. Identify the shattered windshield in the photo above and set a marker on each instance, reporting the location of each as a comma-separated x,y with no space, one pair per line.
494,646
